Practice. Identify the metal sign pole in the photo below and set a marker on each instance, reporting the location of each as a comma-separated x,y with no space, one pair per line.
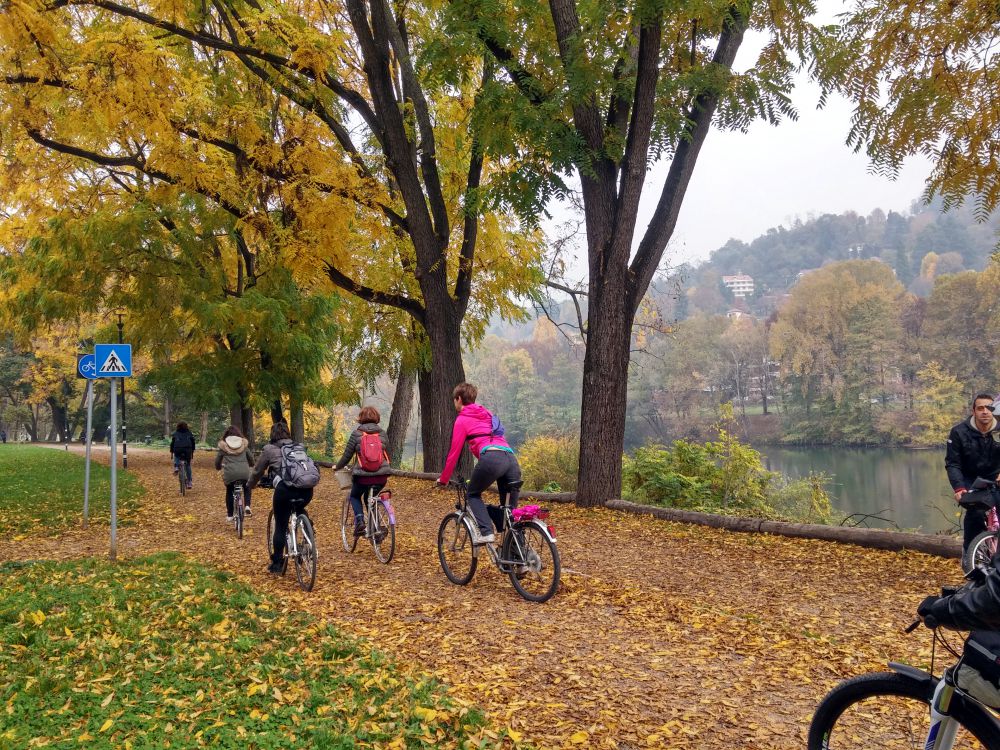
114,473
86,466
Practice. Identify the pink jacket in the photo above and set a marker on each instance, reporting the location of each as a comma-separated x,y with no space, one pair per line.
472,420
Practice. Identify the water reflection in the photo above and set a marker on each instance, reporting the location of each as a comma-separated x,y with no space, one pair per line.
909,488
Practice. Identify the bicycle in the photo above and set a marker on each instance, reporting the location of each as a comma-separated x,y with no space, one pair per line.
986,495
526,551
380,524
184,473
300,545
904,708
239,509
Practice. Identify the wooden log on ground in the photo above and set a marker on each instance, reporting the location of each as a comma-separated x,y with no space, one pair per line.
931,544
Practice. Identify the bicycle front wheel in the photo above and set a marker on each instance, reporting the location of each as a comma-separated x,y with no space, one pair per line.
535,572
455,549
347,537
980,552
383,532
892,712
306,559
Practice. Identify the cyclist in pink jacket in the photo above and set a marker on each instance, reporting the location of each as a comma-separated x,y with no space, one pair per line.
496,459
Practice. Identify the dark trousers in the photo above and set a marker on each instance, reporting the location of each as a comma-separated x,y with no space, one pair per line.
230,502
974,522
358,490
285,498
493,466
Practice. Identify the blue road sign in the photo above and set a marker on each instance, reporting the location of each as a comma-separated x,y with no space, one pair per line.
86,366
113,360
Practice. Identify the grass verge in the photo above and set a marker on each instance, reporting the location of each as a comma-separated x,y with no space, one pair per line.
160,652
43,488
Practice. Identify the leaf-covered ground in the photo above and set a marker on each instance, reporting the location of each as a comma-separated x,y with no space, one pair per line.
660,635
160,651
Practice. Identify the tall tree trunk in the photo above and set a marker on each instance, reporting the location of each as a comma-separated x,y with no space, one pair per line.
167,431
399,417
435,387
605,384
298,422
277,414
204,427
58,431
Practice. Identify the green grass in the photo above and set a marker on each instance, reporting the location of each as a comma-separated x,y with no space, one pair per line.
159,652
42,488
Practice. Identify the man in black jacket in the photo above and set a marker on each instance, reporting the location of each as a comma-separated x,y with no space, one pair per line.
973,451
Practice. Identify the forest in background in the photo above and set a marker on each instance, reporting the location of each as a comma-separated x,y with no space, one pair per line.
865,339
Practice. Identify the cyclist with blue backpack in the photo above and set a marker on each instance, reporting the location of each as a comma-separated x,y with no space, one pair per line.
483,432
372,467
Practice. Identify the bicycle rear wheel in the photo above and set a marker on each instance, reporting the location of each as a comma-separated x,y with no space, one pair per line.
455,549
347,538
980,552
182,476
307,557
383,532
238,510
889,711
535,576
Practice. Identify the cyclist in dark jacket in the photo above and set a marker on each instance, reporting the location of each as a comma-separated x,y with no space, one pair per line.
361,480
973,607
182,444
269,465
973,451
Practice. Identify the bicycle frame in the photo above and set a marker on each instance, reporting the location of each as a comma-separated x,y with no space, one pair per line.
371,519
506,507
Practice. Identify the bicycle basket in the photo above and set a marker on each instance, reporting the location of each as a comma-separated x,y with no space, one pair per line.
978,672
343,478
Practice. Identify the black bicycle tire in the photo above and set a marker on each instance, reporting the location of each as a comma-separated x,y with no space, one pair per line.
347,539
876,684
969,555
556,564
309,537
456,579
390,535
182,475
238,502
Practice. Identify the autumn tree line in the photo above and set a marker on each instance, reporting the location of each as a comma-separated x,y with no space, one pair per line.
289,200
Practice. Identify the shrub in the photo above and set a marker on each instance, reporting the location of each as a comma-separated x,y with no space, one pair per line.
550,463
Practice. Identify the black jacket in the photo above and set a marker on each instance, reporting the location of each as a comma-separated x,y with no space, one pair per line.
972,607
971,454
182,444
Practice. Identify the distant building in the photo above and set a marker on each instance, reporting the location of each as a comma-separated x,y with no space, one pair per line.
740,285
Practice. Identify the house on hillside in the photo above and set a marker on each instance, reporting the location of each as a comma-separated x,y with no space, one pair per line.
740,285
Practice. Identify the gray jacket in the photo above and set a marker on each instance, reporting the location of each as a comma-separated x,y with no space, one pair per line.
269,461
351,450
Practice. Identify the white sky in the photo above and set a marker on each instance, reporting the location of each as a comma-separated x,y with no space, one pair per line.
746,183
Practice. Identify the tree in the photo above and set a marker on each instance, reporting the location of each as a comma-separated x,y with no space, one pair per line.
922,77
600,90
939,399
314,127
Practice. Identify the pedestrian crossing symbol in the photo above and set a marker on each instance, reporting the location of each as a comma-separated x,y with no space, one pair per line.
113,360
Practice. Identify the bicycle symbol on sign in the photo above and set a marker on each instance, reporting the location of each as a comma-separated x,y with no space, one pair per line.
88,367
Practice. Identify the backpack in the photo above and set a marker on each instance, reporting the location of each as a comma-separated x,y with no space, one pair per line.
297,469
496,429
183,443
370,451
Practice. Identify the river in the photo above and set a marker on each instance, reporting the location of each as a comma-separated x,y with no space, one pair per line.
908,488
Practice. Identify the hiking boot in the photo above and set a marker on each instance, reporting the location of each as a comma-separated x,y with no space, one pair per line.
276,570
359,527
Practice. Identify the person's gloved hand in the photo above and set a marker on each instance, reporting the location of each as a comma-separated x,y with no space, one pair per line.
935,611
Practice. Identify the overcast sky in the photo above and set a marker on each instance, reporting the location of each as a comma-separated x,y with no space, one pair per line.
746,183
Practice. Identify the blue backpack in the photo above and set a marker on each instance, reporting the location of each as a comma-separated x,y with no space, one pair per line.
496,429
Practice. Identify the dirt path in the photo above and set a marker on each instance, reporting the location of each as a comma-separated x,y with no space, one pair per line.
660,635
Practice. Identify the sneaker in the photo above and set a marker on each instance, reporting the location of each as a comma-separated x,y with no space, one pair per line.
275,570
190,486
359,527
246,512
486,538
175,472
229,519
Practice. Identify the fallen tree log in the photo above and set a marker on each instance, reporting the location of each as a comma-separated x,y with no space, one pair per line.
931,544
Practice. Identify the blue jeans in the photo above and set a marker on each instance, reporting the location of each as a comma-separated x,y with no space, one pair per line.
358,491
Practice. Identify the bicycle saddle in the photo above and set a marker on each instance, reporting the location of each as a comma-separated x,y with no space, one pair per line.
515,485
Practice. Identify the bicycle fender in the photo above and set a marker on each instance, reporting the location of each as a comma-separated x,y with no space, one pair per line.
913,673
390,510
541,527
